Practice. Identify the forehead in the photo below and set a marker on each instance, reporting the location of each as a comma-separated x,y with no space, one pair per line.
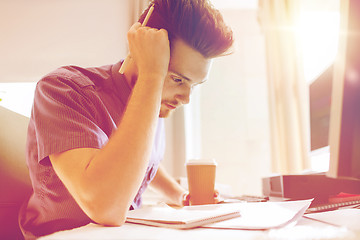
188,62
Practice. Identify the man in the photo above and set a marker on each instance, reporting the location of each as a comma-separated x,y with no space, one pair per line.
96,137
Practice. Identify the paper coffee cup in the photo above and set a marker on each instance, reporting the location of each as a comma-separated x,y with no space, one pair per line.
201,180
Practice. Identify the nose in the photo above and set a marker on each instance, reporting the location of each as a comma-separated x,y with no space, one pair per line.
184,96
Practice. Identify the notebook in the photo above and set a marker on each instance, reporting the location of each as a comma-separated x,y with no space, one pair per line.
332,206
182,218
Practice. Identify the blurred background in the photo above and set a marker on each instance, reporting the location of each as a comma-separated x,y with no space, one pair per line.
252,115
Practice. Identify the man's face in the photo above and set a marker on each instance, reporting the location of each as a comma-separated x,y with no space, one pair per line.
187,68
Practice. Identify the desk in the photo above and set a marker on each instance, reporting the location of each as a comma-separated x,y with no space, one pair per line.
305,229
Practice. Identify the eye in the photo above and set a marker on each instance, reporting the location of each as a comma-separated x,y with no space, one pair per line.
177,79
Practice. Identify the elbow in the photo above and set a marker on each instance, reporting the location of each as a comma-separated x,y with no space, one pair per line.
104,213
108,218
108,221
102,204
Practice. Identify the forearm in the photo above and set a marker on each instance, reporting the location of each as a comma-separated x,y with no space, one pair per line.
123,161
167,185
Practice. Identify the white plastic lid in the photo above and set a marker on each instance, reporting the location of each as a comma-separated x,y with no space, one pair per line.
201,161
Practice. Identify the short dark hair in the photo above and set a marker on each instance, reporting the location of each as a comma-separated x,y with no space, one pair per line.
196,22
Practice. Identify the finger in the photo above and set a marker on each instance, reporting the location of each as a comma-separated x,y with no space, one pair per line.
135,26
217,197
163,31
186,199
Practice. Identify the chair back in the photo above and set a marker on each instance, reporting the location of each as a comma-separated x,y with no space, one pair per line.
15,184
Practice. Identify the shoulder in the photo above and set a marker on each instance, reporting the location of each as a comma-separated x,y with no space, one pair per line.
75,78
69,75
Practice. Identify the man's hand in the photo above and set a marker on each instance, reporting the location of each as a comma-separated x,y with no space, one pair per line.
149,49
187,197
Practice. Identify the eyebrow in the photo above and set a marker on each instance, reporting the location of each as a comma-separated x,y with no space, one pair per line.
188,79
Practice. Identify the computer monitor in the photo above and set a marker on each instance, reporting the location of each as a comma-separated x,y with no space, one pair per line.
334,122
320,104
344,129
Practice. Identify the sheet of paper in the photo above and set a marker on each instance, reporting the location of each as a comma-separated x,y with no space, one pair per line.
264,215
253,216
349,218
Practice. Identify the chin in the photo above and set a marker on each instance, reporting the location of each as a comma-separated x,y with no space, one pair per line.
165,113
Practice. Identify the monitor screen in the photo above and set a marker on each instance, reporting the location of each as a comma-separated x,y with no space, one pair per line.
344,127
320,103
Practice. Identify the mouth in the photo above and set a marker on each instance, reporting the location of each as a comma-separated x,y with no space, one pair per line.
170,106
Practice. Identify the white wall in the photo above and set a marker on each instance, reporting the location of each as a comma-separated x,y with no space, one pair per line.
234,108
40,35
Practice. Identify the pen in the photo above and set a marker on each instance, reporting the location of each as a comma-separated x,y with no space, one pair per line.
128,58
